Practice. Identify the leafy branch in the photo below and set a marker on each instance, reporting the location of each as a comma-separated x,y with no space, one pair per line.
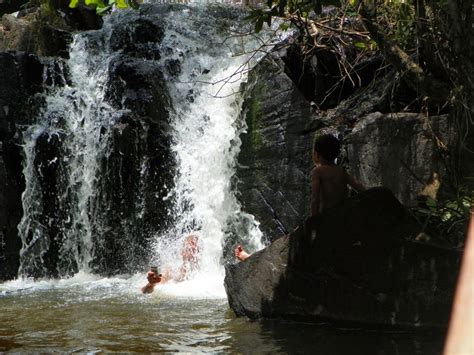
104,6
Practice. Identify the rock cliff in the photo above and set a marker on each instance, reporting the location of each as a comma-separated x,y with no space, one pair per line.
405,152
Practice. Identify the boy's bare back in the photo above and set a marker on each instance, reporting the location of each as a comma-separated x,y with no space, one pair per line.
329,186
329,182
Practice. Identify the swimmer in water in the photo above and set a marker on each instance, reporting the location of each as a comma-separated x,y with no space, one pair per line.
153,278
190,262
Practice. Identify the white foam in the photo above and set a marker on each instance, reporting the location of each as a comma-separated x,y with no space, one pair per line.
199,287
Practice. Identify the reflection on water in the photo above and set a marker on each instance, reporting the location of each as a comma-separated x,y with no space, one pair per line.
89,314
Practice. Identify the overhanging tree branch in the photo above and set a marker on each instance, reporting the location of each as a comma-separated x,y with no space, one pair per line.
437,91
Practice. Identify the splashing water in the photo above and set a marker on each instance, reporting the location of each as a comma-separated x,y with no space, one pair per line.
206,142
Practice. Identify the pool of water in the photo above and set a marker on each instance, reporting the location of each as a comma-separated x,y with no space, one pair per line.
88,314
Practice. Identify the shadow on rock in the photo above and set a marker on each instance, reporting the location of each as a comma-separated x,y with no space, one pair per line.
353,264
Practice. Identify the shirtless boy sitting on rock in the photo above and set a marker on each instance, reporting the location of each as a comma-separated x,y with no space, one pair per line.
329,182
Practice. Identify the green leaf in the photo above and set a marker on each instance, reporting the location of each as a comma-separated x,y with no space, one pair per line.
97,3
284,26
269,20
360,45
73,4
102,10
254,14
274,11
281,7
133,4
121,4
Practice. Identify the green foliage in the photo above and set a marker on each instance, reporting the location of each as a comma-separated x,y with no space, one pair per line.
280,8
398,18
104,6
365,45
449,218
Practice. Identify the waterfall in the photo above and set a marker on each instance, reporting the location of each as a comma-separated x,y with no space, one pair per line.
206,126
205,56
75,123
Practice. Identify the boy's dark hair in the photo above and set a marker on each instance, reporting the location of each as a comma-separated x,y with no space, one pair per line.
327,146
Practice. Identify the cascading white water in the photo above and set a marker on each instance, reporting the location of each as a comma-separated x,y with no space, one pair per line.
206,127
80,118
214,60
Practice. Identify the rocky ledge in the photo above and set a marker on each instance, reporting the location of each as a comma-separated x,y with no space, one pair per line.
355,264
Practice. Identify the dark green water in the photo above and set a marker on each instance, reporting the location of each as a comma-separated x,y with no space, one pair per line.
111,315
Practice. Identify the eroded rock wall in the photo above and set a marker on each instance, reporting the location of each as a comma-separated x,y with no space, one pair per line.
140,169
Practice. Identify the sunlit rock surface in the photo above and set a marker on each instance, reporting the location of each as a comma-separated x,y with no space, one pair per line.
405,152
28,33
352,265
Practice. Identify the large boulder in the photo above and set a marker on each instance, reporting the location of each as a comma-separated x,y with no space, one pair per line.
405,152
353,265
275,158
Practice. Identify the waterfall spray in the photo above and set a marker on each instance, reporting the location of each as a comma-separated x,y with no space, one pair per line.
75,124
207,125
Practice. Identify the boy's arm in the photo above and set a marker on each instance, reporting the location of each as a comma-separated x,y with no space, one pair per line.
315,192
353,183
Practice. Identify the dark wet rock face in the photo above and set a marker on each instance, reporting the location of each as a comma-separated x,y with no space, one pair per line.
140,168
275,158
138,39
8,6
405,152
20,79
133,175
351,266
319,77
